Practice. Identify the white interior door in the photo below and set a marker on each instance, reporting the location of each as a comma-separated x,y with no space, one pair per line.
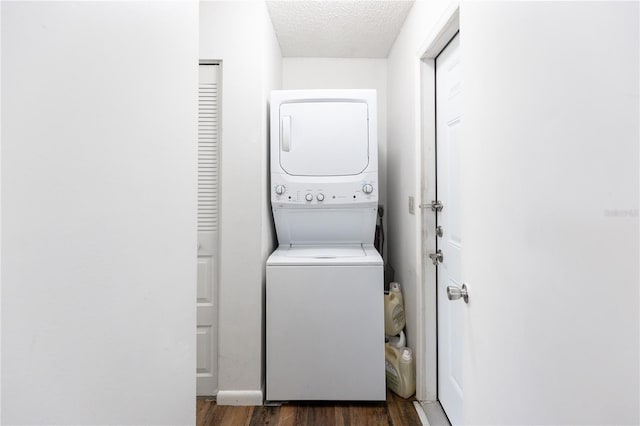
208,139
450,312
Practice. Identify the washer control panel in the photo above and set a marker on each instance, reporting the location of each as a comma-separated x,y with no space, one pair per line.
323,194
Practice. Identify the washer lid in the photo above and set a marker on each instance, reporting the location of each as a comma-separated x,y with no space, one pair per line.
340,255
325,252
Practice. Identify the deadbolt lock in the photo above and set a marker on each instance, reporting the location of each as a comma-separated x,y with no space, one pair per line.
436,257
435,205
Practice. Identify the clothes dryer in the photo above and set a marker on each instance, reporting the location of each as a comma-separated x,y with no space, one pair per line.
324,286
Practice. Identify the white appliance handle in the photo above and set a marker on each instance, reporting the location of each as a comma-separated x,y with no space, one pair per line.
286,133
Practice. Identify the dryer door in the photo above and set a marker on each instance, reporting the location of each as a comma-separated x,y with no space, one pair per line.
324,138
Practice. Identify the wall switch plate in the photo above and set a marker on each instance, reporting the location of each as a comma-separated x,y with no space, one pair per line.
412,206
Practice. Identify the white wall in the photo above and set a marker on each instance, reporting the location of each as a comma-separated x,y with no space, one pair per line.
346,73
550,211
551,116
240,34
99,105
403,85
0,220
272,74
272,80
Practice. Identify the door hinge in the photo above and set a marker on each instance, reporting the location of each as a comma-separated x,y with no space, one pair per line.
436,257
435,206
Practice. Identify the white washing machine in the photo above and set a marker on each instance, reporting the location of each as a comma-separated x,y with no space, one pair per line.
324,290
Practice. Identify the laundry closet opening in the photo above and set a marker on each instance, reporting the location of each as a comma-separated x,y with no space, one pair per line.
249,39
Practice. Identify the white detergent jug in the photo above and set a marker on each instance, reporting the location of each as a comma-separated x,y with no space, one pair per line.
399,341
394,319
395,287
400,369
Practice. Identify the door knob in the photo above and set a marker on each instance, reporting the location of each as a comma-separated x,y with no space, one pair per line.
455,293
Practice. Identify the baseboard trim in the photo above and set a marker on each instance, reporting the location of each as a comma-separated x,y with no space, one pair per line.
248,397
435,414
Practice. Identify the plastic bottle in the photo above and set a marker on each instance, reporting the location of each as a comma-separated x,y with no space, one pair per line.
399,341
400,370
395,287
394,319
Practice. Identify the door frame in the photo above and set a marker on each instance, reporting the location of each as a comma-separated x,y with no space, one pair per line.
427,354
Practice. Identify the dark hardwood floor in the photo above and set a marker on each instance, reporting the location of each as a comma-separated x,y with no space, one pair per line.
394,411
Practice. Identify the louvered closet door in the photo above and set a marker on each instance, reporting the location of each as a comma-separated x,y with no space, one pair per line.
208,167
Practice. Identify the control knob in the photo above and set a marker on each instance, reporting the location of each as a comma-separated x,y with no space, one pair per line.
367,188
320,196
280,189
308,197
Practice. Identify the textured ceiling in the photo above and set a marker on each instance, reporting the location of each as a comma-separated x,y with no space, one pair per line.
338,29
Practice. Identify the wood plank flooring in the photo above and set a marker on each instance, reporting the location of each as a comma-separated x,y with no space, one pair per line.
394,411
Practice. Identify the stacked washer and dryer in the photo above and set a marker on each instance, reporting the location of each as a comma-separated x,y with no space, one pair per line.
324,289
